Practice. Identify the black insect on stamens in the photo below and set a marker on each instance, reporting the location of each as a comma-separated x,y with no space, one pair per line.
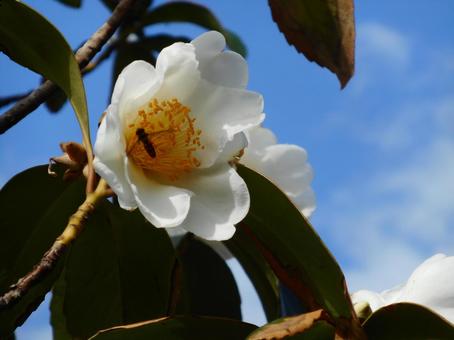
143,138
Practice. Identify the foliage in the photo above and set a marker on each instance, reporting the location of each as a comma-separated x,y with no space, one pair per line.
124,278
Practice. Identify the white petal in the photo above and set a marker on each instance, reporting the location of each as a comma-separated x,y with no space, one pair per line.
164,206
221,68
109,158
208,45
221,113
431,284
286,166
220,200
233,148
227,69
179,66
135,86
259,138
374,300
392,295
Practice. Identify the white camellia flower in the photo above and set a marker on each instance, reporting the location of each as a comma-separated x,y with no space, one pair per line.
284,164
162,144
430,285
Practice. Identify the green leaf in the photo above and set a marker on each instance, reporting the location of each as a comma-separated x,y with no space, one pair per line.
35,209
182,11
119,271
293,249
57,317
157,42
323,30
258,271
407,321
180,327
210,286
46,53
71,3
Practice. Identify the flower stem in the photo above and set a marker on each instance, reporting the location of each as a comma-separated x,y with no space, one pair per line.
50,259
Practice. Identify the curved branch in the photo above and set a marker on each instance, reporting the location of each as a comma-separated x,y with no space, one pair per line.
83,56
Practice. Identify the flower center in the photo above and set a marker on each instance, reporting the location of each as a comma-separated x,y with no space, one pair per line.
163,138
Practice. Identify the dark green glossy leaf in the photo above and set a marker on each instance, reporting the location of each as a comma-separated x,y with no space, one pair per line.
46,53
181,328
71,3
320,331
35,209
292,247
210,286
323,30
258,271
182,11
158,42
407,321
57,317
118,271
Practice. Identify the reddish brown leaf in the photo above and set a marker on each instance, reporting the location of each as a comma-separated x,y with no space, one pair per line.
288,326
324,30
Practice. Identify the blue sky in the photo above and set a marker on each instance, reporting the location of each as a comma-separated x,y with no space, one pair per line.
382,149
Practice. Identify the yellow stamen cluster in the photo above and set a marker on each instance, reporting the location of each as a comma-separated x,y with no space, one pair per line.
163,138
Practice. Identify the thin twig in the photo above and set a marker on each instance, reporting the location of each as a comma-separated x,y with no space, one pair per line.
11,99
49,261
104,55
83,56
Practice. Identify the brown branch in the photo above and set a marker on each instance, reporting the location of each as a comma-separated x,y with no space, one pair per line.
83,56
49,261
11,99
104,55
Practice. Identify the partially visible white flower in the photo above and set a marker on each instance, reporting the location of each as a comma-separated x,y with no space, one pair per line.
284,164
430,285
162,144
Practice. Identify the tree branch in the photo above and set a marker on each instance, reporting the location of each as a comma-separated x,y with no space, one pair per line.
83,56
49,260
14,98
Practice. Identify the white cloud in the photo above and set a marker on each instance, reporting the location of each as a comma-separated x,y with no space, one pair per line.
414,123
382,54
424,193
385,223
375,39
391,221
